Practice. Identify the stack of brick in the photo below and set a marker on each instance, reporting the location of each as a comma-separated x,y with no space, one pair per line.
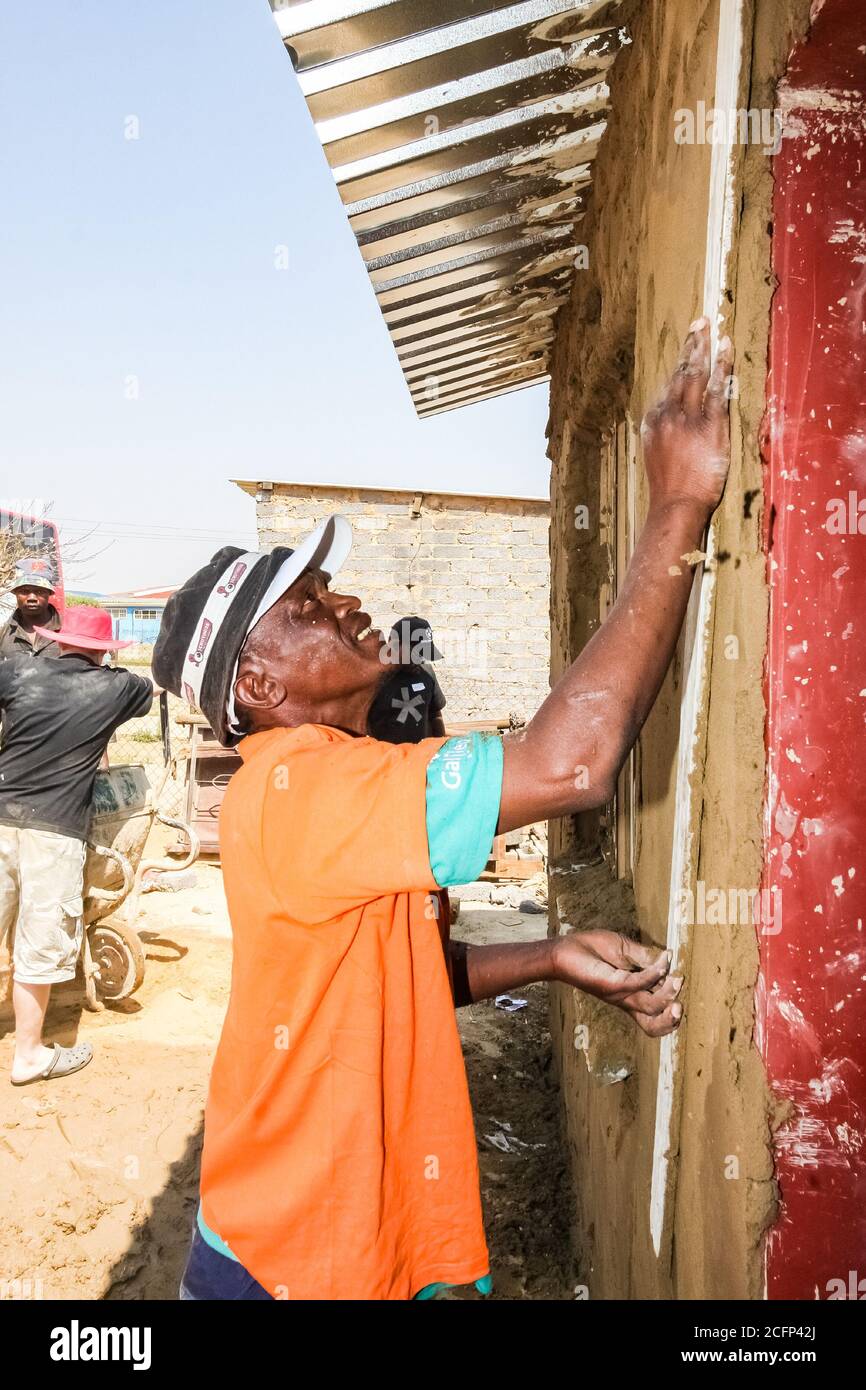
476,567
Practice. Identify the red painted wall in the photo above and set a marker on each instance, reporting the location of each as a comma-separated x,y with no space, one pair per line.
812,992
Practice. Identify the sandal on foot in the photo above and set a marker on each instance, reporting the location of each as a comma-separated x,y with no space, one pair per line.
64,1061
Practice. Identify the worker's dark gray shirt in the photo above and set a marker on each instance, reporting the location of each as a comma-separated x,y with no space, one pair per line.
14,641
57,719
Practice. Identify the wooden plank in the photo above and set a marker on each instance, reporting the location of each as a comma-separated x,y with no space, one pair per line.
698,631
517,870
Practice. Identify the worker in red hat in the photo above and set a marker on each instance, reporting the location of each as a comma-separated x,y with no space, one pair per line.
57,719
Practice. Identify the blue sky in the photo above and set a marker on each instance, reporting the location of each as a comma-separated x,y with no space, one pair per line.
148,265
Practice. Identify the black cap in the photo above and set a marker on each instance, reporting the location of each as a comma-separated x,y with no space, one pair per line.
181,619
207,620
413,639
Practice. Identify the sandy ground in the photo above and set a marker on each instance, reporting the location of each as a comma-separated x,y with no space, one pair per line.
98,1173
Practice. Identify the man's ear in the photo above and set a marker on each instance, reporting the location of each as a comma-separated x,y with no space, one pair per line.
258,690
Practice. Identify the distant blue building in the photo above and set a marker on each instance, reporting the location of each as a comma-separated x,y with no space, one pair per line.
135,617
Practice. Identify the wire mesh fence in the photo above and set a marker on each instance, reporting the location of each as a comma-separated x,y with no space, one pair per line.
156,742
185,766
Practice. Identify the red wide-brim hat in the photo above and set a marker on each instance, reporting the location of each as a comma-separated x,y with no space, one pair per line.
83,626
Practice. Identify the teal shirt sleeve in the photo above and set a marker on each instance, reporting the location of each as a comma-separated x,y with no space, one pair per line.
464,789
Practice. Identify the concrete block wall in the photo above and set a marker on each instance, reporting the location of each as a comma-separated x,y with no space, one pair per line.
476,567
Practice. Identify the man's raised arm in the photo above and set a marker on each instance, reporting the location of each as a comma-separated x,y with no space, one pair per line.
568,757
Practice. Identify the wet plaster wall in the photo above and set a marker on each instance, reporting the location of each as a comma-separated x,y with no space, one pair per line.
617,340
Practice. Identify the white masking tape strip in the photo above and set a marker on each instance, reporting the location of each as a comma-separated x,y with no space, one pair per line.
215,612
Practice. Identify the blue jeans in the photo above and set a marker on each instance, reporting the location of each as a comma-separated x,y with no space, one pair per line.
210,1275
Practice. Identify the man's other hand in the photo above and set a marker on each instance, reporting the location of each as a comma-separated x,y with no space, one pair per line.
624,973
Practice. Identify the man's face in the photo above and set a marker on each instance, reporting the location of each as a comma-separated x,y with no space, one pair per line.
33,602
315,646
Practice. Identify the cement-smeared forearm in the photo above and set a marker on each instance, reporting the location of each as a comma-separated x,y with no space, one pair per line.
568,757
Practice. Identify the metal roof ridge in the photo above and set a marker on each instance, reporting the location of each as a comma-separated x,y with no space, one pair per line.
250,484
461,137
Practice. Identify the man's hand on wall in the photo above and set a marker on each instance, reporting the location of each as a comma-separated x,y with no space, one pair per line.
604,963
621,972
686,433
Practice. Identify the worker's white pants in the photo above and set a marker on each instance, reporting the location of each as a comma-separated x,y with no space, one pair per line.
41,888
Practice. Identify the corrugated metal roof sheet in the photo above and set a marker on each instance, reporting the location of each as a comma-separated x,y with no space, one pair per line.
461,135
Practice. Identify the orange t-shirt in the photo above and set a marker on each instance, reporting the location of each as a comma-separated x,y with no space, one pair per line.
339,1153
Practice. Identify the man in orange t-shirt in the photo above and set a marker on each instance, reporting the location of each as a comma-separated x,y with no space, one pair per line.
339,1154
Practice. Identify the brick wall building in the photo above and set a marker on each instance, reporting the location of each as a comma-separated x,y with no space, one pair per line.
476,567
